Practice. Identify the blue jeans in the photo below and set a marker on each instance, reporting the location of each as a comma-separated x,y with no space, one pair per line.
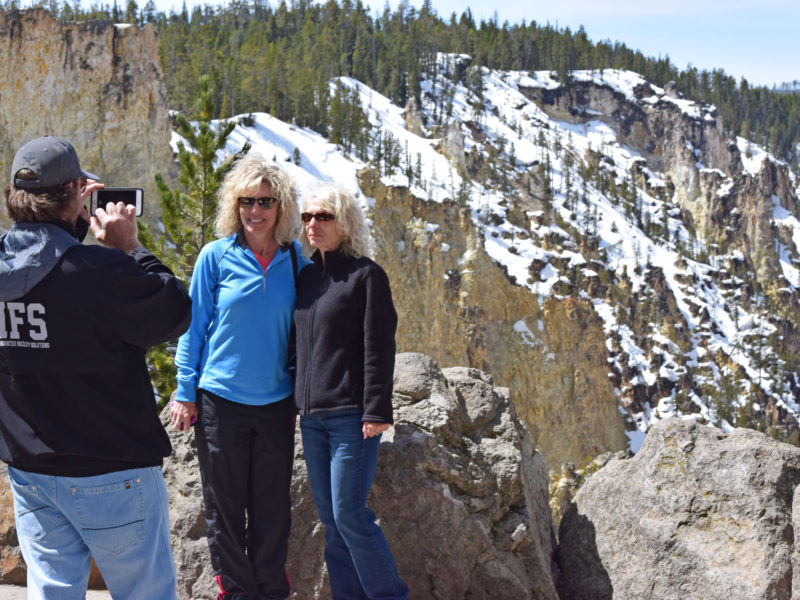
341,466
121,519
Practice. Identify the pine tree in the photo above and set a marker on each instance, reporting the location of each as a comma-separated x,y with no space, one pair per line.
132,13
545,176
149,12
464,192
336,116
188,213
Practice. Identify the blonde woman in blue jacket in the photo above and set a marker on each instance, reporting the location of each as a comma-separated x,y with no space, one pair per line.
234,380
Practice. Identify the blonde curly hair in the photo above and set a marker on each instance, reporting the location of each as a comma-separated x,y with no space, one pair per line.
247,173
350,221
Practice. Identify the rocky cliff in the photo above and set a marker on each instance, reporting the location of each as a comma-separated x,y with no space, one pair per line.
730,206
456,304
606,248
97,84
740,208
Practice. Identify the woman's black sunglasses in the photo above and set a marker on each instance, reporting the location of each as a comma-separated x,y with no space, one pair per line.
265,202
320,216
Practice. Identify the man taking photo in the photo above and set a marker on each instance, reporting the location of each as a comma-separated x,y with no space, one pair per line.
79,427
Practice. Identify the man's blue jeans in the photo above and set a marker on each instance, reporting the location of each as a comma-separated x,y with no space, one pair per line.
121,519
341,466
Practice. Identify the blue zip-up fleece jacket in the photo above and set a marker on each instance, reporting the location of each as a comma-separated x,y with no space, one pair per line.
237,344
75,321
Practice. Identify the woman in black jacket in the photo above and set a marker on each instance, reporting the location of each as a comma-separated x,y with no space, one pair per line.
345,324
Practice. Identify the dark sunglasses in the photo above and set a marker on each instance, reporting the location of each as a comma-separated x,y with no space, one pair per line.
265,202
320,216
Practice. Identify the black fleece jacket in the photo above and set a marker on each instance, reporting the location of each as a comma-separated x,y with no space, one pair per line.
345,322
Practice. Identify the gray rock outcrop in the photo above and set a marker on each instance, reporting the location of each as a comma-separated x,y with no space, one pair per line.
187,519
460,491
695,514
413,117
452,146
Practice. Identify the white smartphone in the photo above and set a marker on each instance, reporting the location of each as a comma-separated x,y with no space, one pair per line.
130,196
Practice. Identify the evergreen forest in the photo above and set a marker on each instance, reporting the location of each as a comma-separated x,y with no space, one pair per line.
279,59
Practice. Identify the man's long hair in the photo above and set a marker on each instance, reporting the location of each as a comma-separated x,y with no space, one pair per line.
45,204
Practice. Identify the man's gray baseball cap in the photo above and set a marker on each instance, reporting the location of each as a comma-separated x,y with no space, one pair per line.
52,159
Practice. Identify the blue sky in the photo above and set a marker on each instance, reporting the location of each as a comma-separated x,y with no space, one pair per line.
755,40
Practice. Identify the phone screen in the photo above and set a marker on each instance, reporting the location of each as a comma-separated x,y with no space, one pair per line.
129,196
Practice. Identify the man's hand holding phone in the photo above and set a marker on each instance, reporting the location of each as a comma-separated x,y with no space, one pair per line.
100,197
115,226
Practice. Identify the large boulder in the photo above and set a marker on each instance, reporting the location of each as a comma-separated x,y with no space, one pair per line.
695,514
460,491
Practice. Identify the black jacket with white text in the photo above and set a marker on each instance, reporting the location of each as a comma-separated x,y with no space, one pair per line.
75,321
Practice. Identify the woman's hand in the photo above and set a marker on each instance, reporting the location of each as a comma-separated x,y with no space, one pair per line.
372,429
182,415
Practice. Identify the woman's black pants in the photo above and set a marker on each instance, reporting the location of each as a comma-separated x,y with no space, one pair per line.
246,454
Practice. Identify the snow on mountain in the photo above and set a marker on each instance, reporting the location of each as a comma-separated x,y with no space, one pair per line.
516,138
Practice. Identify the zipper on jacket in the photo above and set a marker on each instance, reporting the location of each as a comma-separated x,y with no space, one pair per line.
306,391
269,266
